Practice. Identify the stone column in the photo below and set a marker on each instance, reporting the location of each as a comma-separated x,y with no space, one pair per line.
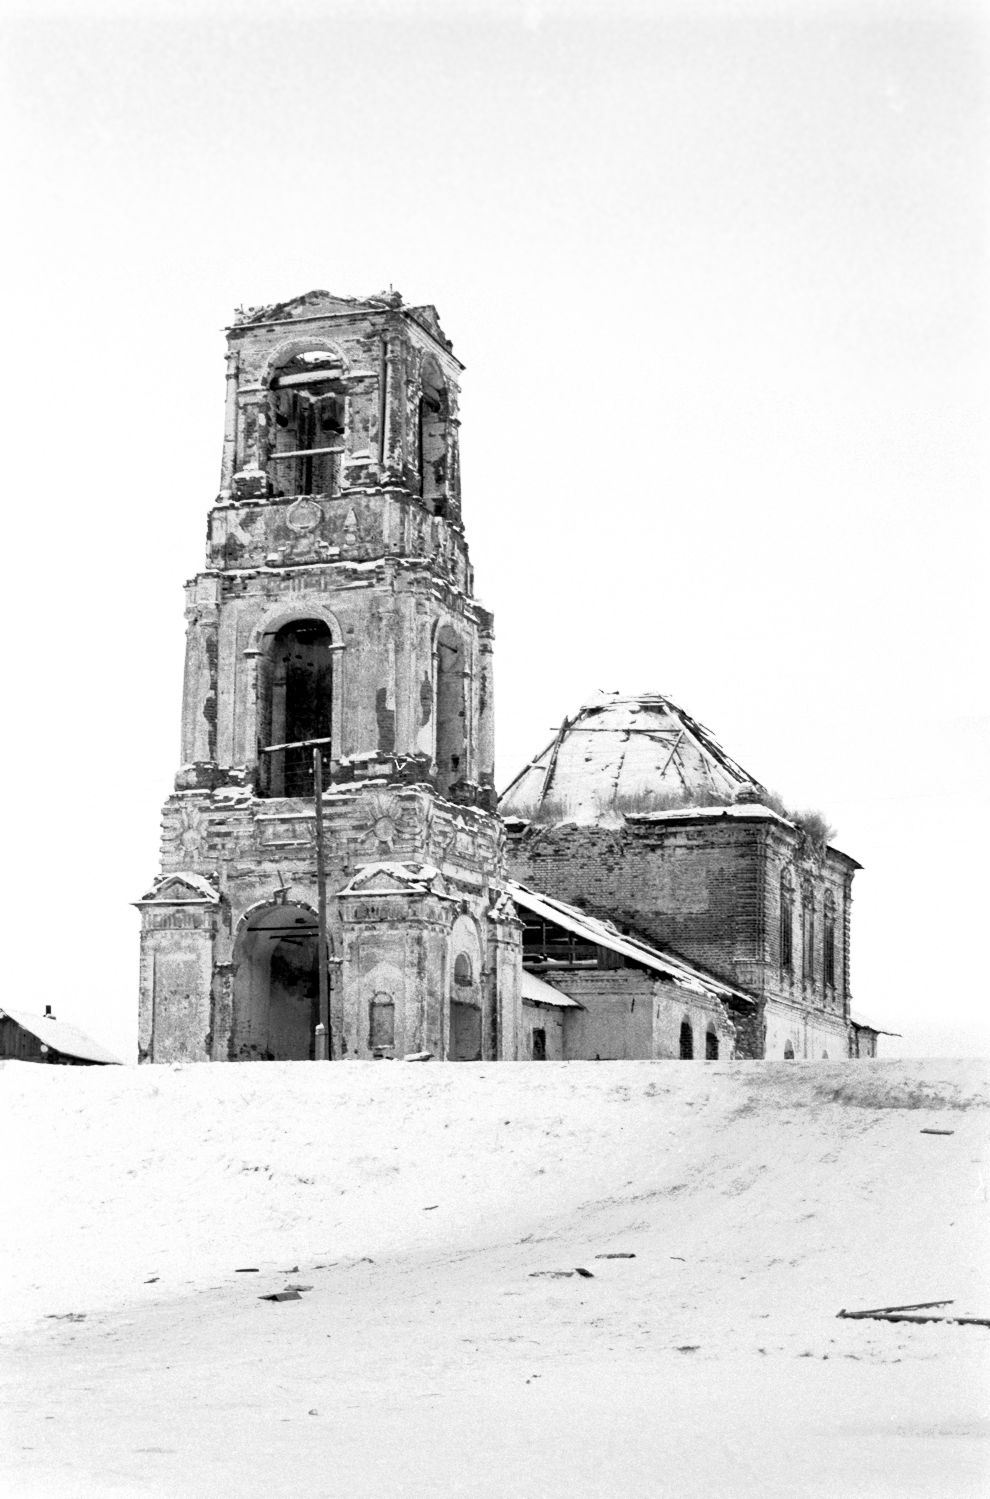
247,739
485,752
222,1014
199,688
505,949
229,461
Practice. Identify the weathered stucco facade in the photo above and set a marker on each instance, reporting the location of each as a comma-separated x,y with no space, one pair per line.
336,612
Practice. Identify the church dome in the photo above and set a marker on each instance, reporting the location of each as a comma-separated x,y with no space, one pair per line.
624,755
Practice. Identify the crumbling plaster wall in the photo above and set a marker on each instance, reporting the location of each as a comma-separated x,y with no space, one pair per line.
551,1022
175,1010
397,946
261,851
812,1035
630,1013
673,1005
383,623
709,891
616,1020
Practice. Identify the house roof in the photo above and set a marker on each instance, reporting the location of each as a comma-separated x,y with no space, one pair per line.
859,1024
536,991
60,1037
604,934
623,754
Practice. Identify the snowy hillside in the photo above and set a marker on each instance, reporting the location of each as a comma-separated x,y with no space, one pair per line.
445,1344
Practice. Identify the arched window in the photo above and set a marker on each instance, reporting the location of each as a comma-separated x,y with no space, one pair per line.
305,424
450,714
786,922
711,1045
295,708
788,1052
463,976
687,1041
434,411
828,941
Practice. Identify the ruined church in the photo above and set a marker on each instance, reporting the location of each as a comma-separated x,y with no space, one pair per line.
338,776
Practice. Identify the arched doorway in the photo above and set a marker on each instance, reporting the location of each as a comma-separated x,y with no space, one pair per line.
276,986
295,691
711,1045
687,1041
788,1052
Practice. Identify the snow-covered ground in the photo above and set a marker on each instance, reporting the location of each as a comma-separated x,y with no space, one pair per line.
442,1348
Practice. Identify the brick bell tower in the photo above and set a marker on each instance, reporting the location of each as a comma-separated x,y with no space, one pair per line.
336,610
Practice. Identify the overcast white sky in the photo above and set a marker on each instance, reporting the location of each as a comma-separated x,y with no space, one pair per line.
718,275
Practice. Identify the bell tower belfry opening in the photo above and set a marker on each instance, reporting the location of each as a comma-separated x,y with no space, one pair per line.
335,615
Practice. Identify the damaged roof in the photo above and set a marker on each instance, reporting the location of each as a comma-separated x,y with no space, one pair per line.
325,304
622,754
67,1040
604,934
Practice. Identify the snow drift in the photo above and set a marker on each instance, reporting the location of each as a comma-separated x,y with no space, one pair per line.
444,1342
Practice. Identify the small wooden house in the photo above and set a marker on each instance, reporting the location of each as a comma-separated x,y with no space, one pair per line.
42,1038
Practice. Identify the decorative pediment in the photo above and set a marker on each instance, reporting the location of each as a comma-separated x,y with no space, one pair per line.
396,879
314,304
183,888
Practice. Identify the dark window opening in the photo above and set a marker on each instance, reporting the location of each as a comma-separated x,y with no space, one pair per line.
296,707
711,1046
788,1052
828,942
539,1045
462,970
687,1041
808,940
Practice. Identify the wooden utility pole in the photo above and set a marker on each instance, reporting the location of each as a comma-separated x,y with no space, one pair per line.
324,1047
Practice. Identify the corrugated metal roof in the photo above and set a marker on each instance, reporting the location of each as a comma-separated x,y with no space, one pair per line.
604,934
624,754
537,992
65,1039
